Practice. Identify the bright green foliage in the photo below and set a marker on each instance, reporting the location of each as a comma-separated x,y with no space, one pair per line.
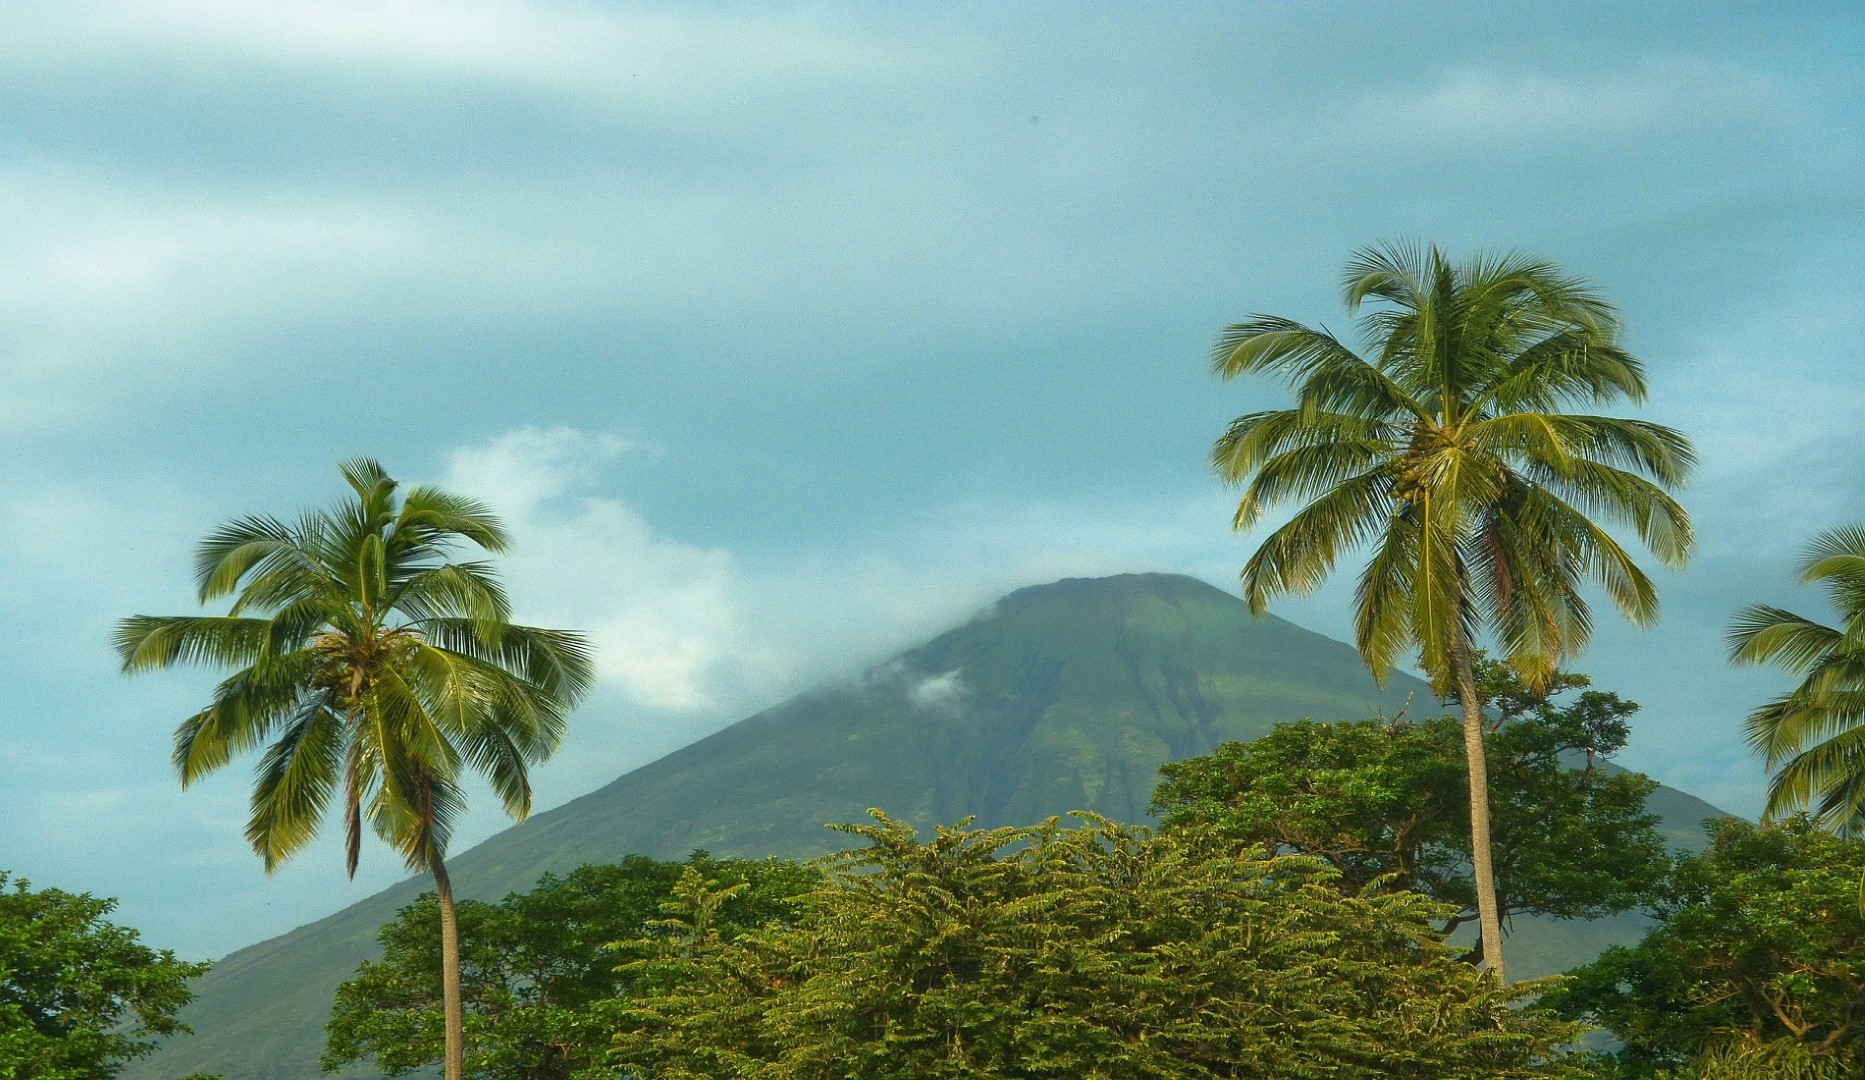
1071,953
1388,802
375,667
1814,735
1451,451
79,996
531,967
1759,962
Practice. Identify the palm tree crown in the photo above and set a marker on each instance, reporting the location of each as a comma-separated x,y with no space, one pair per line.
1813,737
372,664
1451,454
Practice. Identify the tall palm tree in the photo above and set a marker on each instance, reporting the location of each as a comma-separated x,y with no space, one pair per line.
1813,736
377,669
1450,454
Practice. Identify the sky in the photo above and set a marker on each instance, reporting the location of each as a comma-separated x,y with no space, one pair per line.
785,336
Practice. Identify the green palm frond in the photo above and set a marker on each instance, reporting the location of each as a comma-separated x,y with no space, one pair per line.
1491,496
294,782
248,708
147,642
462,589
1828,779
1814,735
442,514
1299,555
1761,634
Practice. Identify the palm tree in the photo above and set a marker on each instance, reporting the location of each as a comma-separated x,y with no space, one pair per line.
378,671
1450,454
1813,736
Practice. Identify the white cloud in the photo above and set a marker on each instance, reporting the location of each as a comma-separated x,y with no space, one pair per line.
1508,107
662,613
940,693
665,64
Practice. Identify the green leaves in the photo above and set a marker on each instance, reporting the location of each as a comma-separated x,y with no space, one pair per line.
380,666
537,967
79,995
1088,951
1386,803
1758,966
1453,444
1814,735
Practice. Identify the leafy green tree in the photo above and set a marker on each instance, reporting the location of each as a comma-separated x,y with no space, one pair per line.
1756,969
1071,952
1384,802
79,996
1452,453
532,966
378,669
1813,737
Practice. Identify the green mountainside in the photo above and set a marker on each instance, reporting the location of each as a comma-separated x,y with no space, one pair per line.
1062,697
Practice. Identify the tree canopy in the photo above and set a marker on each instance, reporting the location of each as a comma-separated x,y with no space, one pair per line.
79,995
533,966
1385,802
1756,969
1092,951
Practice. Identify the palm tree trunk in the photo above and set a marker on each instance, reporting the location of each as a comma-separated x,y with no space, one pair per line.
450,973
1489,918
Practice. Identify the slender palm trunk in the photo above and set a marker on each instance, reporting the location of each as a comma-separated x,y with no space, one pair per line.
1489,918
450,973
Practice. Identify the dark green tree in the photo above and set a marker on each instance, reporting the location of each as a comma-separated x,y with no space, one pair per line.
79,996
1452,452
532,966
1071,952
1386,802
378,669
1757,968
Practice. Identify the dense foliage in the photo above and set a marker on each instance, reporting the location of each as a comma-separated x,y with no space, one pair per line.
79,995
1757,968
1386,802
531,967
1070,952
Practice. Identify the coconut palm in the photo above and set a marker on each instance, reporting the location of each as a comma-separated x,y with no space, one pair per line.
377,670
1449,453
1813,736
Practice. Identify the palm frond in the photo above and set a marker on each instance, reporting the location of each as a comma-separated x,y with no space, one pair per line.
294,782
1762,634
1296,557
150,642
435,514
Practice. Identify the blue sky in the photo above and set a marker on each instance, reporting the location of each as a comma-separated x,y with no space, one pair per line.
785,335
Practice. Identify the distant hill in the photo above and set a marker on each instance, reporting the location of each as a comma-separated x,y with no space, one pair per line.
1061,697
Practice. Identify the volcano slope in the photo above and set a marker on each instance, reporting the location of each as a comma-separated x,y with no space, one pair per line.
1061,697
